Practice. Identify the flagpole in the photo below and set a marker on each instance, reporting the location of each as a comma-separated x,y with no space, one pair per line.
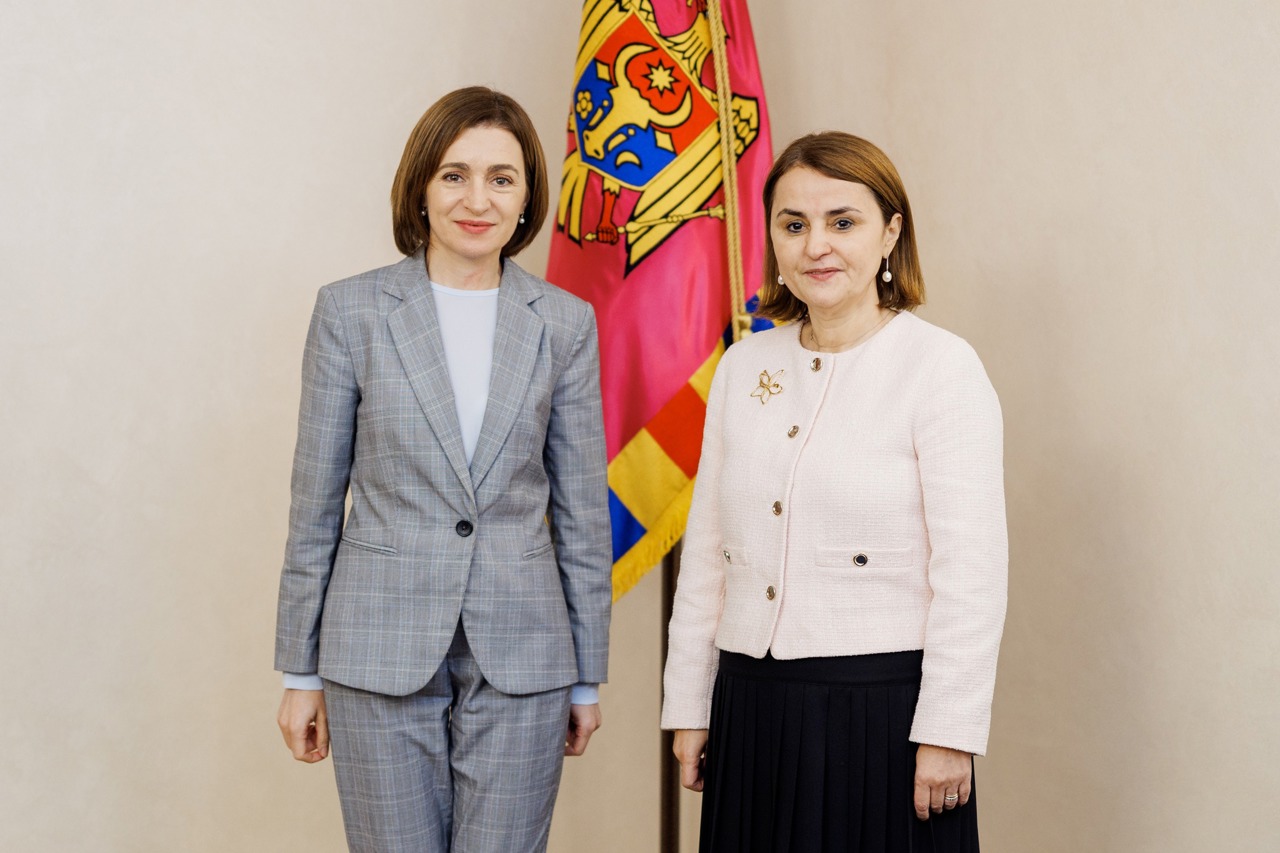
740,320
669,768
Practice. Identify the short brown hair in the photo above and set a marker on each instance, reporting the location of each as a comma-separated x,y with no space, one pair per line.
845,157
440,125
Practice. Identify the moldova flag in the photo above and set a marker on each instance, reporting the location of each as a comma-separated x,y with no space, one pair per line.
644,232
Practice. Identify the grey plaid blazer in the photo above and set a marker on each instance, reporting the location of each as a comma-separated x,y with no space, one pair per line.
517,546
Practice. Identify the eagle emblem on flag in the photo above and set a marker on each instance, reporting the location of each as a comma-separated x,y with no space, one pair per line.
643,129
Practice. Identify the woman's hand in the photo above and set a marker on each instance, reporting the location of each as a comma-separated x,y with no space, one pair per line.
942,773
304,725
690,748
583,722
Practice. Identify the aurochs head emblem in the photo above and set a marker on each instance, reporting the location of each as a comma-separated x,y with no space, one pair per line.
626,133
642,121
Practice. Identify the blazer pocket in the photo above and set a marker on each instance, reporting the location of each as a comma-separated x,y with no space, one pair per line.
539,551
865,559
369,546
731,557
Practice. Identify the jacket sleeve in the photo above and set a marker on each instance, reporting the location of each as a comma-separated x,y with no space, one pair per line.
960,451
321,473
692,658
576,466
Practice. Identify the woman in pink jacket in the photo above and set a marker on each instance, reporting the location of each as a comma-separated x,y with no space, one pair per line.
842,594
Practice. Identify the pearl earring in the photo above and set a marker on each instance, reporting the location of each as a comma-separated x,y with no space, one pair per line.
886,276
522,219
423,211
780,281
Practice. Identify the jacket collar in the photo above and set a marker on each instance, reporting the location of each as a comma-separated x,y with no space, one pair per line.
415,329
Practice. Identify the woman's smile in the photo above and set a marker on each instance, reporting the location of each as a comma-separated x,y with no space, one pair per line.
821,273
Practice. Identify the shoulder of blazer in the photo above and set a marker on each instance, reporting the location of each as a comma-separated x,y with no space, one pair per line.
753,352
921,348
917,332
551,300
363,290
539,288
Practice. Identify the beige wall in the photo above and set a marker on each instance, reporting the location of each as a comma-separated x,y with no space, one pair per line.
1096,188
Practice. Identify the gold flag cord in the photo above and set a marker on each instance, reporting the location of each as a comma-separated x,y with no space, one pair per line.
740,319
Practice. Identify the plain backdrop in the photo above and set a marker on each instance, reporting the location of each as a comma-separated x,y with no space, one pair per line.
1096,187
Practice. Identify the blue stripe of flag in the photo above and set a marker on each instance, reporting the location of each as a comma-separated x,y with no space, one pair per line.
626,530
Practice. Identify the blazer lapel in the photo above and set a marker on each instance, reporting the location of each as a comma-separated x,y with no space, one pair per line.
515,353
415,329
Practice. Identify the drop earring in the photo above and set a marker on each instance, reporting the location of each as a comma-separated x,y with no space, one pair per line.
886,276
522,219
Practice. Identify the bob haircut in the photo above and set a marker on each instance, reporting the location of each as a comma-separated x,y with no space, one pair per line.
440,125
845,157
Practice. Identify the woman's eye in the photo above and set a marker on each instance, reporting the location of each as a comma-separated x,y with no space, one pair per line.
794,227
843,224
451,178
503,181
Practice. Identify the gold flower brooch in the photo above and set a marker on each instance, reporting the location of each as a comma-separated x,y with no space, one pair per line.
768,386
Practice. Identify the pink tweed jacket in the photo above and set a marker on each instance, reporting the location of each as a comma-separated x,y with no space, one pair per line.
849,503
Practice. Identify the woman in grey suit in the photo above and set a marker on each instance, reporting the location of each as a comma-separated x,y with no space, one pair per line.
447,635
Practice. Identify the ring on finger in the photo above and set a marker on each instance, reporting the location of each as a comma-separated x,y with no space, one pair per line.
950,798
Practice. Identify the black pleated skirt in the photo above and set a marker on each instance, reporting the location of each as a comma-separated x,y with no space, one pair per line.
814,755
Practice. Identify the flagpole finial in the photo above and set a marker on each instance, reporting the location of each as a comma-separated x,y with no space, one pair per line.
741,326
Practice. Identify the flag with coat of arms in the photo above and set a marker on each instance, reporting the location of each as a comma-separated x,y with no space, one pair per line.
662,239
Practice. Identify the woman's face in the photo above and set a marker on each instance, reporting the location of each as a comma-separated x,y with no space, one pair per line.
475,198
830,239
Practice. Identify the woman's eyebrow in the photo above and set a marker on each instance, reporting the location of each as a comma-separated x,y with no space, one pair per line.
465,167
786,211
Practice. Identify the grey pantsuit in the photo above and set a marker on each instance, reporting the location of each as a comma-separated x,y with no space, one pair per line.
513,550
449,745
